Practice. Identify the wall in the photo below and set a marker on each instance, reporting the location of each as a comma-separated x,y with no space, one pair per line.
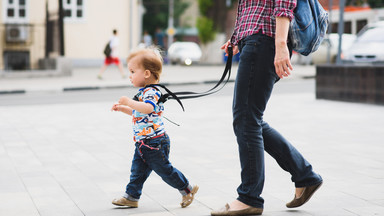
35,44
85,40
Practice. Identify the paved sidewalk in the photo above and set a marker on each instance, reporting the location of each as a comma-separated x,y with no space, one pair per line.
73,159
86,78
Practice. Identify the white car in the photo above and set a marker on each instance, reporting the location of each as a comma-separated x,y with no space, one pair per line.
368,47
320,55
184,53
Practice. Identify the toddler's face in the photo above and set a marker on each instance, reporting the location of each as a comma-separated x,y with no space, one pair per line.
137,72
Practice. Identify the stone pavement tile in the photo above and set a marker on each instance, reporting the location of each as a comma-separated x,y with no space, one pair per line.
153,214
51,198
16,204
367,210
86,151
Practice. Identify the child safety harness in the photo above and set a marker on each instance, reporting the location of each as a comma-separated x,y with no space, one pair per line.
178,96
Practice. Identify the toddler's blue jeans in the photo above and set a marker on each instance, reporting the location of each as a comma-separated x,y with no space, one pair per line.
153,154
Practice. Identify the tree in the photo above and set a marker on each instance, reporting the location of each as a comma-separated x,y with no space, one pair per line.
376,3
205,28
157,14
372,3
205,25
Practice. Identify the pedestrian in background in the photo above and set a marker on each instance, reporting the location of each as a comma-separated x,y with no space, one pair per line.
113,58
159,36
261,36
147,38
151,140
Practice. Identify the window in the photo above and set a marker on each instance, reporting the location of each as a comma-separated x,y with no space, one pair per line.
73,9
15,11
16,60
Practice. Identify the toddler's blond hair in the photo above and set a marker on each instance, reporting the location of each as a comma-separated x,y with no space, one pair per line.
150,59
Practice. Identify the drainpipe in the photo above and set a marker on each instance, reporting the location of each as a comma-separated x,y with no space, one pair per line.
61,28
46,29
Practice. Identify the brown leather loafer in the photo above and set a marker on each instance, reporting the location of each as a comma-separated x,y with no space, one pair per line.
307,194
227,212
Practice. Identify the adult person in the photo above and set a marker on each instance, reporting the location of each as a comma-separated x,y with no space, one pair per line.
113,58
261,36
147,38
159,38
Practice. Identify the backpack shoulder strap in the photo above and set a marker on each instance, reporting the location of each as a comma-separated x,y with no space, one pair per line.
164,97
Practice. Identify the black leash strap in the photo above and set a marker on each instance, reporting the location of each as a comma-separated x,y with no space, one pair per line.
178,96
165,97
227,72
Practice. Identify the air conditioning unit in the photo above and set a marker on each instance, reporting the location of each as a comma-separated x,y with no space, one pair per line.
17,33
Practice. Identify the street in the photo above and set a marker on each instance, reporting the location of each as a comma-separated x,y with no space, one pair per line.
113,94
68,154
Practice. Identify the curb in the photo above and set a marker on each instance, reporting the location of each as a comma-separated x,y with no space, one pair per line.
87,88
6,92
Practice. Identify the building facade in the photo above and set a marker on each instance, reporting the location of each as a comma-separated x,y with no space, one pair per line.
355,17
29,30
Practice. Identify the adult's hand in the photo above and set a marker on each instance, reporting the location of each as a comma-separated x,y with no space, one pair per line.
283,66
225,46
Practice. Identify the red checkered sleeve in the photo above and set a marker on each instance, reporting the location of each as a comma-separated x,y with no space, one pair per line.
284,8
255,16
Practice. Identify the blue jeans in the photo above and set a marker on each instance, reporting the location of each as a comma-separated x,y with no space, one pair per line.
153,154
253,87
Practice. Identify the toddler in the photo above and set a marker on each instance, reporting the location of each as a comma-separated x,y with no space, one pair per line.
151,141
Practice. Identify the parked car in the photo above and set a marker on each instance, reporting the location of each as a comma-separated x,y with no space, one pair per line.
184,53
369,45
320,55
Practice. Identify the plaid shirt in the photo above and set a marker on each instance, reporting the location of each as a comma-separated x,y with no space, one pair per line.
256,15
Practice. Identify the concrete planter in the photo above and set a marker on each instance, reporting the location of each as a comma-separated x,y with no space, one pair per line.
364,84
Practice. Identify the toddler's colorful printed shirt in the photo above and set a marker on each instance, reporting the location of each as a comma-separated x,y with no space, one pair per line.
148,125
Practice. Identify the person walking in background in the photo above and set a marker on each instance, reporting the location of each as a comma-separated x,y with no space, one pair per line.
159,36
261,34
113,58
151,141
147,38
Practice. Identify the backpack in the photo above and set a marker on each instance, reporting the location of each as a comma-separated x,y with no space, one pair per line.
107,50
308,27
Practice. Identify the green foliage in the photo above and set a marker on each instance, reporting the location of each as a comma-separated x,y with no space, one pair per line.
372,3
205,5
157,11
205,28
376,3
180,7
205,25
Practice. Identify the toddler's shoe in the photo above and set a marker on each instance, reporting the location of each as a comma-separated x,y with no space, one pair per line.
125,202
188,199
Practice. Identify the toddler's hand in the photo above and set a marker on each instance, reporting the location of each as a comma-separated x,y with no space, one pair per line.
115,107
124,100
